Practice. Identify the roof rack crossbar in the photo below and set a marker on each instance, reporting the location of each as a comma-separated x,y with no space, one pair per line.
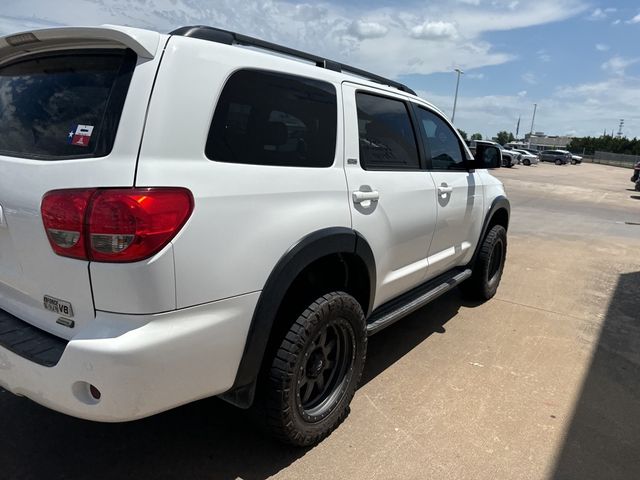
218,35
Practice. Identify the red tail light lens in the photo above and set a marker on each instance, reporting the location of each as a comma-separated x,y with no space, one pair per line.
114,225
131,224
63,214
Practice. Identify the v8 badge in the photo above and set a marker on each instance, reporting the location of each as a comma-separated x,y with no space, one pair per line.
58,306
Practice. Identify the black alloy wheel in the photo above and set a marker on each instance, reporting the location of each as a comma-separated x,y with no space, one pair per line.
323,373
315,371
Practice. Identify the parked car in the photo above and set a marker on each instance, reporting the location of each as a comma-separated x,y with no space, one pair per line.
559,157
575,159
527,158
509,157
245,246
532,151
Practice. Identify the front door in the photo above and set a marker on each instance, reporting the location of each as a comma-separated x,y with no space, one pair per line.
459,194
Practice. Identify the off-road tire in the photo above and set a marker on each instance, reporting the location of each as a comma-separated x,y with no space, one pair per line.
302,352
486,276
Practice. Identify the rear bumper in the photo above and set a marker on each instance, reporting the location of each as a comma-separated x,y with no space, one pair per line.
142,364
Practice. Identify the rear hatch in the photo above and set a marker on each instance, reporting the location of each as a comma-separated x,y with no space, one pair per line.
72,105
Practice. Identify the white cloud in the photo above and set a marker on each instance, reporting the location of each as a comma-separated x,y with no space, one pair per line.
362,30
601,47
616,22
617,64
635,19
434,30
582,109
601,13
543,56
379,39
360,35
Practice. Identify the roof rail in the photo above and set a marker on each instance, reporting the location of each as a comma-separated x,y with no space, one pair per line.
218,35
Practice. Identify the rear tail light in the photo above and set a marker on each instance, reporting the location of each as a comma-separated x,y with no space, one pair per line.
63,214
116,224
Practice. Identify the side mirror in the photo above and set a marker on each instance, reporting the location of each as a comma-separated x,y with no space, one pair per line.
487,156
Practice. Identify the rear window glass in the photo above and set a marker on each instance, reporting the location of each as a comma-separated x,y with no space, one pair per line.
64,105
266,118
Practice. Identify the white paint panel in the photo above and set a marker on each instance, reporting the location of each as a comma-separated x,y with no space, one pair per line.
246,217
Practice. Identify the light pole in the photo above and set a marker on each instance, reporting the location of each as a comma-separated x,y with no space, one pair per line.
533,119
455,100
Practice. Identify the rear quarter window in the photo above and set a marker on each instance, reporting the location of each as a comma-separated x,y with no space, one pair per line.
266,118
63,105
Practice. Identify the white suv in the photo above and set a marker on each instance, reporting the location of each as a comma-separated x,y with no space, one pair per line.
204,213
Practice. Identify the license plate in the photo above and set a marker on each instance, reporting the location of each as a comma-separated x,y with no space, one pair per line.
58,306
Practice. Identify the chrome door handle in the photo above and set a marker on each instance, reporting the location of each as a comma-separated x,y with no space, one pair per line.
360,196
443,190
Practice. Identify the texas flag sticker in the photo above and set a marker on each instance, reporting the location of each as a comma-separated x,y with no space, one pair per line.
80,135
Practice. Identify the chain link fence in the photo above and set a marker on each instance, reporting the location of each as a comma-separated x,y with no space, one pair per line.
615,159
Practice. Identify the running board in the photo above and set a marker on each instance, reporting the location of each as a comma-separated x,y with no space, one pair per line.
411,301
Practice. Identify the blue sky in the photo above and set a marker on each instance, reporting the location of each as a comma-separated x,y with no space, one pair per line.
578,60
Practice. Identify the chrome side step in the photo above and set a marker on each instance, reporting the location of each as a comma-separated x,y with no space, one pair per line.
411,301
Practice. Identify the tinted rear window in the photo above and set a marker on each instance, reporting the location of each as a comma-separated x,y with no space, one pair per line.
64,105
387,139
267,118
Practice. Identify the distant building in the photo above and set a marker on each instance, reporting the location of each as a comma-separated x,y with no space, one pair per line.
540,141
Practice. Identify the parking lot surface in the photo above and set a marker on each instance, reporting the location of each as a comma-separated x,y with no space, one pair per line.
541,382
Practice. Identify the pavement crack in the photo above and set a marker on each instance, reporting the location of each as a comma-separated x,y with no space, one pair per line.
403,431
540,309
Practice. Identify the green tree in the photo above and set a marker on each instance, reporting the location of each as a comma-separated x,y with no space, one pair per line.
605,143
504,137
463,134
476,136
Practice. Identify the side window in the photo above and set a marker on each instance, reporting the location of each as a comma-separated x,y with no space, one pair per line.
387,139
265,118
442,142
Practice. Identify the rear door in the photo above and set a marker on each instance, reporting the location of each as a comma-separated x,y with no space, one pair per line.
392,196
69,118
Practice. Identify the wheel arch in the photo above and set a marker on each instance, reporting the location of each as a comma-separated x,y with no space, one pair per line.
317,252
498,214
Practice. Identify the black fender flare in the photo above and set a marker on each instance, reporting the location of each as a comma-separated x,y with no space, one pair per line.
308,249
499,203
